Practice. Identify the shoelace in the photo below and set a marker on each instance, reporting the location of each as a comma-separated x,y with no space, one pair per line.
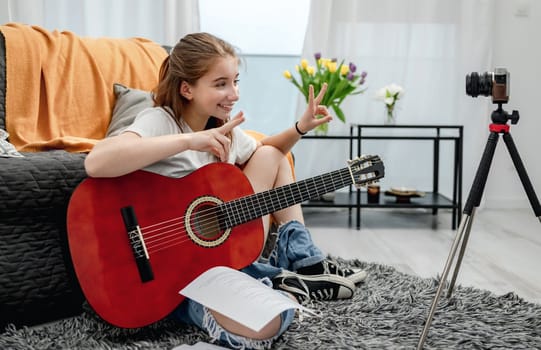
306,294
301,295
330,268
323,294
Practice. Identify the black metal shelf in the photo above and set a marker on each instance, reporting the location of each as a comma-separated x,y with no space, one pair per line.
430,200
357,199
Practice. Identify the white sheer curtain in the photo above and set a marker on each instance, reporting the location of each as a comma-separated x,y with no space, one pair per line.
164,21
427,47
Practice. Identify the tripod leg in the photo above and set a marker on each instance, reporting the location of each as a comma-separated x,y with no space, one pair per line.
530,192
465,222
474,199
460,254
480,180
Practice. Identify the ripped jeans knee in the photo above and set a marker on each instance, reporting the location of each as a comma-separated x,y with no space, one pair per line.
191,312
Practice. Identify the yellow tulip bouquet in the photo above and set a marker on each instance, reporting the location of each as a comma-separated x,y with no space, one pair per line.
342,81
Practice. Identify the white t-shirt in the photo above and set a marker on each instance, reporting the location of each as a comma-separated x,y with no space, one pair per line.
156,122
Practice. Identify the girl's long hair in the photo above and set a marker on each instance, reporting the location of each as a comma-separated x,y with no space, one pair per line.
188,61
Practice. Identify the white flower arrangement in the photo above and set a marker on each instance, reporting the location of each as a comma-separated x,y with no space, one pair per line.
390,94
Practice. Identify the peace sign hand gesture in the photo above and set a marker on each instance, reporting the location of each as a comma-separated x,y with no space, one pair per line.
315,113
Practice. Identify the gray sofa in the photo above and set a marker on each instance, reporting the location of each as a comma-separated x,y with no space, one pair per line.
37,281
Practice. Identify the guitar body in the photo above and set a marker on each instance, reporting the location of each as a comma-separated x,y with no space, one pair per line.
164,208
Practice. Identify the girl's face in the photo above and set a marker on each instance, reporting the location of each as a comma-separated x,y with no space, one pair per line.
216,92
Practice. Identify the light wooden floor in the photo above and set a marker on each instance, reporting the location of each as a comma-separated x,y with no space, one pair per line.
503,253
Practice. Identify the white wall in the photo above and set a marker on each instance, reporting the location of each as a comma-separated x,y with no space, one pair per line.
517,47
4,11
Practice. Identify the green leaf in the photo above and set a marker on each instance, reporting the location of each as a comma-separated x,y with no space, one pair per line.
339,113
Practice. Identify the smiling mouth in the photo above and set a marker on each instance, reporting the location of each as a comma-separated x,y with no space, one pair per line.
227,108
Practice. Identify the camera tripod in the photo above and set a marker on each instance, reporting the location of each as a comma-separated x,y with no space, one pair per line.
499,126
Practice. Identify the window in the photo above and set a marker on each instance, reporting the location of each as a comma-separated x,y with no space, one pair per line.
257,27
269,36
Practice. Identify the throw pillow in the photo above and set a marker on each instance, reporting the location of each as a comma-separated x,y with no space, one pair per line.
129,102
7,149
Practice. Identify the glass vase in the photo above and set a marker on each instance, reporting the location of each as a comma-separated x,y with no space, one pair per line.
390,116
321,130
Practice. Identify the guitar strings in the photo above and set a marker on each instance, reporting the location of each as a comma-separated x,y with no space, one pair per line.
165,234
180,240
173,231
162,234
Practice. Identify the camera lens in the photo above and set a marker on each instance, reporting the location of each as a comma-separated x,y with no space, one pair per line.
479,84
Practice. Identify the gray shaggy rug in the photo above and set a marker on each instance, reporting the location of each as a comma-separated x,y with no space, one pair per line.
387,311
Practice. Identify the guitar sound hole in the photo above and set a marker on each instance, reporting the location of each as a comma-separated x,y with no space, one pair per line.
205,222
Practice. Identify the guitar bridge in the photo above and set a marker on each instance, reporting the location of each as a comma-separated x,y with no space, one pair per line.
137,244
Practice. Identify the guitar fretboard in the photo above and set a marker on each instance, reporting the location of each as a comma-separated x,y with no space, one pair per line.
247,208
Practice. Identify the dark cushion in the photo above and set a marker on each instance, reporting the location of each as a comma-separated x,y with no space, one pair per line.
37,282
2,82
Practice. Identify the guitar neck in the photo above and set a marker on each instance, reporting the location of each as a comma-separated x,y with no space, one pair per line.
251,207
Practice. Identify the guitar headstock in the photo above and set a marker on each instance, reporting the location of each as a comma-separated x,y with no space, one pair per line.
366,169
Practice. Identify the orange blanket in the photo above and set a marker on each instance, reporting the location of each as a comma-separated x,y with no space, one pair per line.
59,92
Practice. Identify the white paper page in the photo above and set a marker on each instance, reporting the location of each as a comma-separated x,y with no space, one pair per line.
239,296
199,346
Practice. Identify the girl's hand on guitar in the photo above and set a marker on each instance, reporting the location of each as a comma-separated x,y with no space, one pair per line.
215,140
315,113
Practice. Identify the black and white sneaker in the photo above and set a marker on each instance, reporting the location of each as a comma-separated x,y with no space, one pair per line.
331,267
314,287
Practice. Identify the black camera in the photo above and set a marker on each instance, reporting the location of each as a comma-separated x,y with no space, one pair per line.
495,84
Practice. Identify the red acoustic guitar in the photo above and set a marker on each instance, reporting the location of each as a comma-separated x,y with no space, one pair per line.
138,239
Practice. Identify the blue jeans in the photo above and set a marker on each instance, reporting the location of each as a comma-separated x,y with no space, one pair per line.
294,249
